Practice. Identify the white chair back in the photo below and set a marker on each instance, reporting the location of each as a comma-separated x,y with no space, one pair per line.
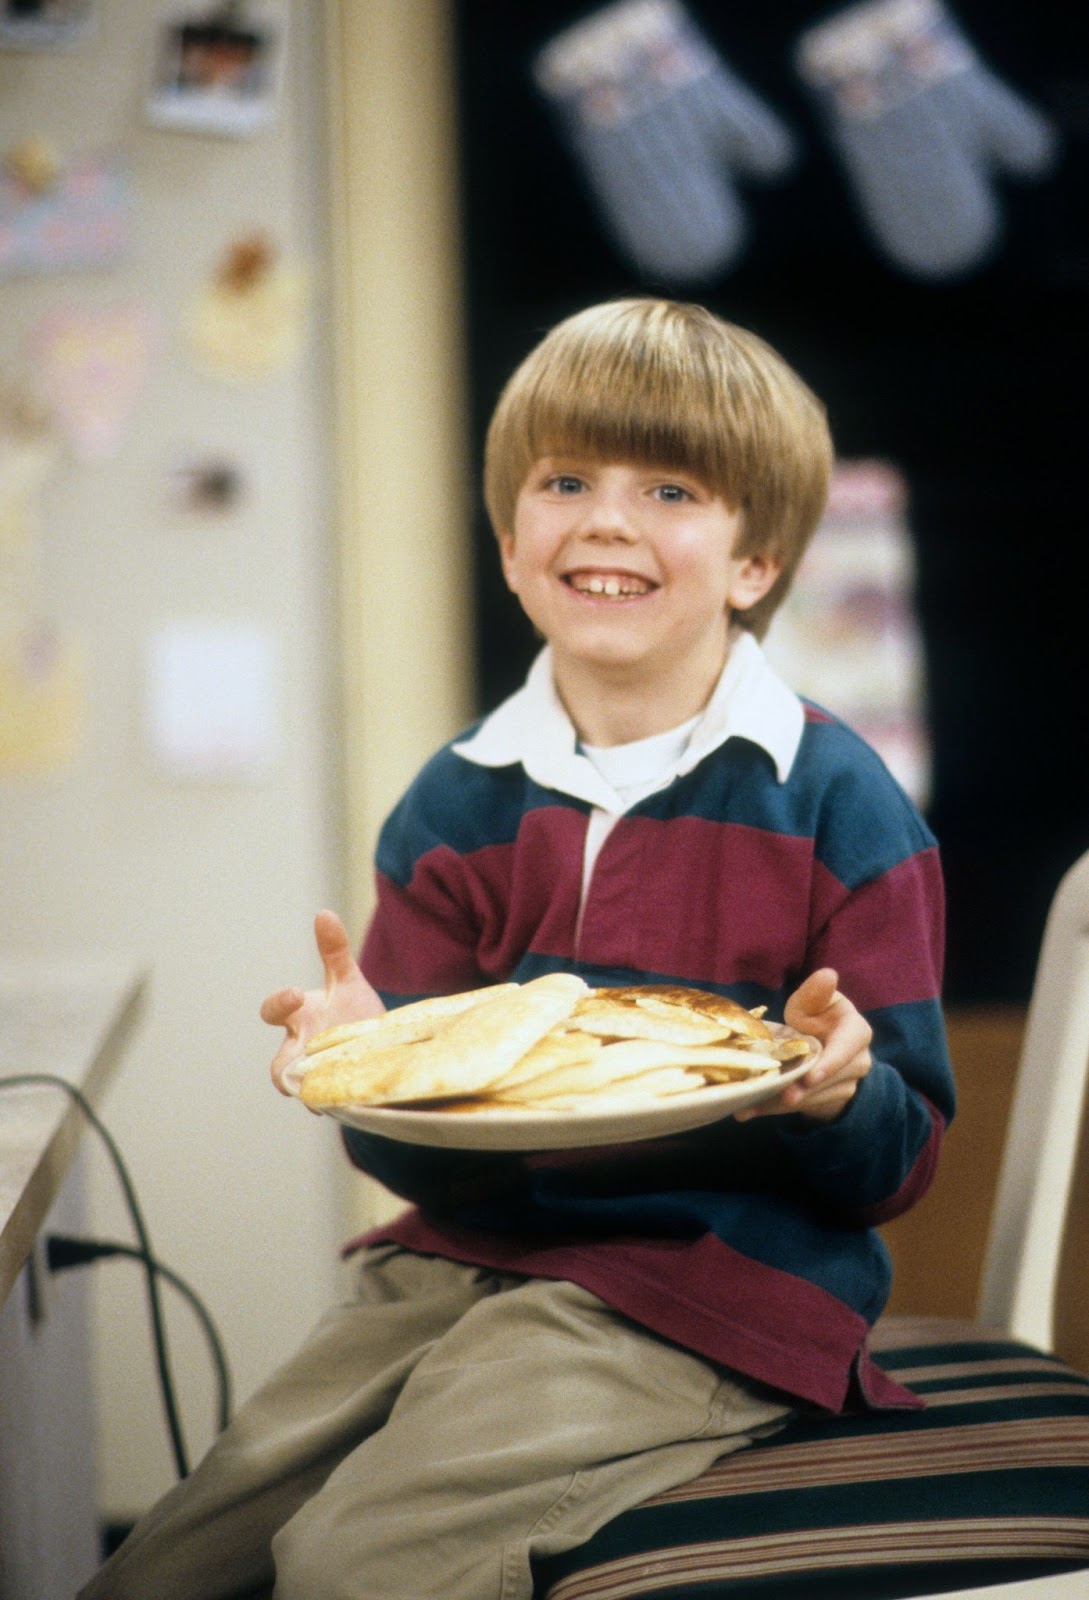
1020,1276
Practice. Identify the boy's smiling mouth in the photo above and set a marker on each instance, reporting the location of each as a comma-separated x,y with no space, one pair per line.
609,585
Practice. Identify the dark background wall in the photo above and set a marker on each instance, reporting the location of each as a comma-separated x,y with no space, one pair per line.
974,386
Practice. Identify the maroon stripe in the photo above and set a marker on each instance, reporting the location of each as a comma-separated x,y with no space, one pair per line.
758,883
504,900
862,1546
407,953
1006,1391
874,971
903,1332
464,917
529,896
867,1458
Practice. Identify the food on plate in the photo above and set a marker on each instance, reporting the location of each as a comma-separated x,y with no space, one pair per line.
459,1055
552,1043
668,1014
417,1020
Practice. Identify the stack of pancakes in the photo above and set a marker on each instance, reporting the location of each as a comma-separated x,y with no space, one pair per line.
554,1043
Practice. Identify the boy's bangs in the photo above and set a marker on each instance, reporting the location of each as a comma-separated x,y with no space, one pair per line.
620,416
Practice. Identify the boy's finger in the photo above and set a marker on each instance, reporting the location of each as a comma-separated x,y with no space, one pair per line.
279,1006
786,1100
287,1068
334,947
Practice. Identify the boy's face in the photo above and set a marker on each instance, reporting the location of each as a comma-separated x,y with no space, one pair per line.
630,569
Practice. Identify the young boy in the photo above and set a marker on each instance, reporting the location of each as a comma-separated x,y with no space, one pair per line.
541,1341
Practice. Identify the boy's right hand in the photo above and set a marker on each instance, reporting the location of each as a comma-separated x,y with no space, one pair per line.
345,997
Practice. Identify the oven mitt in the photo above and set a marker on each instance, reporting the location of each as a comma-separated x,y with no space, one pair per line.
660,126
921,127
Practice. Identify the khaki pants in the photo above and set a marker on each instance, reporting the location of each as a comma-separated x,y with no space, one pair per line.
431,1436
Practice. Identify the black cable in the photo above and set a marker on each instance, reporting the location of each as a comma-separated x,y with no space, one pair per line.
62,1251
162,1360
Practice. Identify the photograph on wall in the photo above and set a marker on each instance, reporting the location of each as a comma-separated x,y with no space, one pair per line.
45,24
216,74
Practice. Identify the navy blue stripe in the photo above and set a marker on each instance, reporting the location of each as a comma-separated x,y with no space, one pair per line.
835,774
461,805
955,1352
467,807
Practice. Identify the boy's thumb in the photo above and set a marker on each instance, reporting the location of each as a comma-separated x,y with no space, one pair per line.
814,995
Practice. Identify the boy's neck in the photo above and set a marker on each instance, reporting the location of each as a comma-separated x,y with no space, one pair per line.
620,706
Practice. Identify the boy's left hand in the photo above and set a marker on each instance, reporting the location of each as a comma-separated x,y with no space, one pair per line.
818,1008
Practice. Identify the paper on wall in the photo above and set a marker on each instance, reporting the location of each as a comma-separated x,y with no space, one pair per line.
93,364
42,693
211,707
42,699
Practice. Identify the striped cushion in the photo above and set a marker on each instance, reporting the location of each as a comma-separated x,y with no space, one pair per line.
989,1483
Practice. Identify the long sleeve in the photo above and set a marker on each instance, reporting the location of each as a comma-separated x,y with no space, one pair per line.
878,918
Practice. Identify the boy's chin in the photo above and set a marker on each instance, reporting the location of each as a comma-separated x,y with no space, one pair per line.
611,656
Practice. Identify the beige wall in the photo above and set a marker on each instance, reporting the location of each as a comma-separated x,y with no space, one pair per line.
354,471
211,884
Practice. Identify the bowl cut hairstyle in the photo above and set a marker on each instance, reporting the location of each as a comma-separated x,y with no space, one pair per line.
671,385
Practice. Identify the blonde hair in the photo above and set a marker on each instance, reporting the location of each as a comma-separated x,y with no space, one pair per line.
675,386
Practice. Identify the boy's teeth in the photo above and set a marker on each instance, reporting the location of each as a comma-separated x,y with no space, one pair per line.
609,586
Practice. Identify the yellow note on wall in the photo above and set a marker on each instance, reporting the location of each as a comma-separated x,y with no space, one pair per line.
42,700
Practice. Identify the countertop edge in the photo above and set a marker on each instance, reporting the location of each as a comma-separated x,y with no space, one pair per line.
54,1160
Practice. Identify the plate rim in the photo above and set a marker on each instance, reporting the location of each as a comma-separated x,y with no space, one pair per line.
488,1130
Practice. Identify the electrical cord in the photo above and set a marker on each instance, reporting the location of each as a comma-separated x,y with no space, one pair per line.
62,1251
153,1270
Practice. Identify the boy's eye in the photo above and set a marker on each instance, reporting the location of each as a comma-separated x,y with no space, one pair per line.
565,483
672,492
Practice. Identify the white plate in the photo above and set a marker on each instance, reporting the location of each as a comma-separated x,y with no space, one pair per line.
600,1123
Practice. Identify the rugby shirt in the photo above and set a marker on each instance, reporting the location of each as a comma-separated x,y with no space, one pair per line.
780,844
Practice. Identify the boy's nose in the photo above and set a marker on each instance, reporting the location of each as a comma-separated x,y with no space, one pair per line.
607,515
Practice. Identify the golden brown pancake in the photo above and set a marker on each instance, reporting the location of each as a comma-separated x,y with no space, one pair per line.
463,1054
552,1042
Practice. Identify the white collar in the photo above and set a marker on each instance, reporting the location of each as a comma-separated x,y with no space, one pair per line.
750,701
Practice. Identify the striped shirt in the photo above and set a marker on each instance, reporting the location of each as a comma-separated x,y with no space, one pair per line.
776,843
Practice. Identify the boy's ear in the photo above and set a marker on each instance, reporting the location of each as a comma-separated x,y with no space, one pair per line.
506,559
753,576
